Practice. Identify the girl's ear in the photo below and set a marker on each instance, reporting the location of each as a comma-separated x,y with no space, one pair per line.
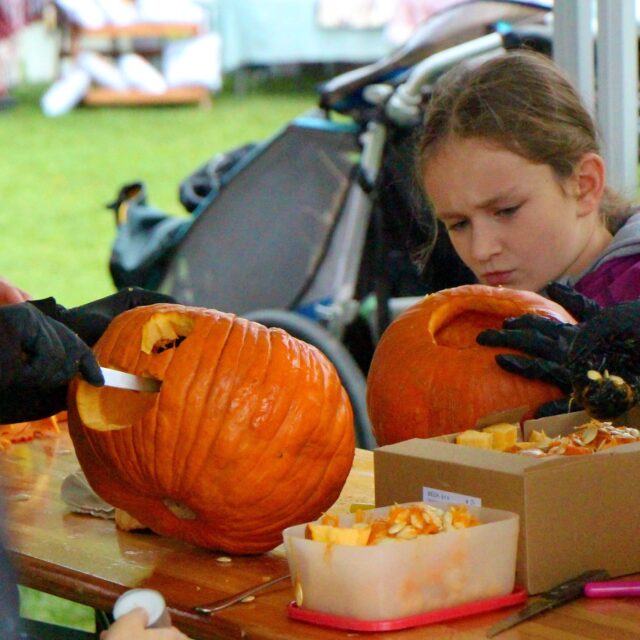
590,182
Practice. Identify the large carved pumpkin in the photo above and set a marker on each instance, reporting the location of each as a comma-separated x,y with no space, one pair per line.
429,377
250,432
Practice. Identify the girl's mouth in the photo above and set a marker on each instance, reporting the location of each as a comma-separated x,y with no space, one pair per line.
496,278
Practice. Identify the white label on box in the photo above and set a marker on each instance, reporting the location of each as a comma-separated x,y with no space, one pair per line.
437,495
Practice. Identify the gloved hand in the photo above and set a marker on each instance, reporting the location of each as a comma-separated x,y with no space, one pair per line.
547,342
90,320
38,358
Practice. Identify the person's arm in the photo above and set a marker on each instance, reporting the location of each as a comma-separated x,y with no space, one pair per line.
10,294
131,626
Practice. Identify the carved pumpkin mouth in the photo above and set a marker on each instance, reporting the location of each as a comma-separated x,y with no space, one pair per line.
165,331
462,330
109,408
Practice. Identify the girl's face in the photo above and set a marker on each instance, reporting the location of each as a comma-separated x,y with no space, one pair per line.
511,221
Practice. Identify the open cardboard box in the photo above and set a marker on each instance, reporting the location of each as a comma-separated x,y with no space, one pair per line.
576,512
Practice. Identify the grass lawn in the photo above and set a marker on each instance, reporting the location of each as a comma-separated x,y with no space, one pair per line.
57,174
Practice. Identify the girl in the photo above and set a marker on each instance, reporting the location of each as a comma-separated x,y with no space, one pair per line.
510,163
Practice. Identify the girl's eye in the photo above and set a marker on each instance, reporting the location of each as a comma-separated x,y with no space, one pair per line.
457,226
508,211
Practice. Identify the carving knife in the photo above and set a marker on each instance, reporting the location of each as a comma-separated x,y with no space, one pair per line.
122,380
562,594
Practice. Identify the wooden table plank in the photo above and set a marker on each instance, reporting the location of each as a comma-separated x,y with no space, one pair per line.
86,560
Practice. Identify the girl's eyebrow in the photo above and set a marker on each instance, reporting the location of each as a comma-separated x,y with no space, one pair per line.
490,203
494,201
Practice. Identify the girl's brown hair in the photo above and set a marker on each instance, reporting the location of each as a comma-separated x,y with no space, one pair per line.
525,104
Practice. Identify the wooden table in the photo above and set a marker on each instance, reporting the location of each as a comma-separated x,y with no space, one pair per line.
86,560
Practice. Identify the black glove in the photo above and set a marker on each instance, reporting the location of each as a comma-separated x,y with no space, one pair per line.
90,320
547,341
38,358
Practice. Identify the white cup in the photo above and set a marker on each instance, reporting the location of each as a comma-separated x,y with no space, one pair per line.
149,600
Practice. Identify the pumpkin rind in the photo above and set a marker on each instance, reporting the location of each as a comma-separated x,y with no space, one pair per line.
429,377
250,432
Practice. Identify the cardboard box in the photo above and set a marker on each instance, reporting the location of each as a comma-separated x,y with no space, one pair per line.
576,512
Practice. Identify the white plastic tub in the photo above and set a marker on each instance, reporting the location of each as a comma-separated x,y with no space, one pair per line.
389,581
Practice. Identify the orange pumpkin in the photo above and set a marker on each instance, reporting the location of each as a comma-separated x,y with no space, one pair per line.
250,432
429,377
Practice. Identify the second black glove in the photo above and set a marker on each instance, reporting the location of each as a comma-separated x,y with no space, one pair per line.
90,320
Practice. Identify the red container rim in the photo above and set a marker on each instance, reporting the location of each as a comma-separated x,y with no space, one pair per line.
517,596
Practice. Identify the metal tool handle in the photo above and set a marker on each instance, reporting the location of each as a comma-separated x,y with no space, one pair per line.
572,589
218,605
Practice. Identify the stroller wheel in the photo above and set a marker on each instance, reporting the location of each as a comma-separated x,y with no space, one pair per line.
350,373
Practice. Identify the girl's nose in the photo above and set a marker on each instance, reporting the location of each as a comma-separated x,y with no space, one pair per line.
485,243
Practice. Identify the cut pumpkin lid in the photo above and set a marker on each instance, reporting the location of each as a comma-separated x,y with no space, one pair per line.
110,408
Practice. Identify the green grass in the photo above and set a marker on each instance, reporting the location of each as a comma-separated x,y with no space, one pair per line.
41,606
57,174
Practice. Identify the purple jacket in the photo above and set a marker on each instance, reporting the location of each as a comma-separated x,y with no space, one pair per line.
615,275
616,280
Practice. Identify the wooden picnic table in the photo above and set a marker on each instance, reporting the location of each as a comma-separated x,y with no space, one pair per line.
85,559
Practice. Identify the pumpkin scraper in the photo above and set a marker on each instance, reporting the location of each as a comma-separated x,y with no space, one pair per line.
562,594
122,380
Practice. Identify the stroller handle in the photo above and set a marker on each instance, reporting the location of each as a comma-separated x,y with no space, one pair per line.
403,107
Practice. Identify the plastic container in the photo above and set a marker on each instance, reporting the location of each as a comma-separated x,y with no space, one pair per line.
406,578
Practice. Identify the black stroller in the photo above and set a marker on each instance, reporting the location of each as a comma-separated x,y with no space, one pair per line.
313,230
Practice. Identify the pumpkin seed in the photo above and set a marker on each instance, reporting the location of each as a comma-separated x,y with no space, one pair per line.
299,594
417,521
407,533
594,375
589,434
402,516
223,559
396,528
